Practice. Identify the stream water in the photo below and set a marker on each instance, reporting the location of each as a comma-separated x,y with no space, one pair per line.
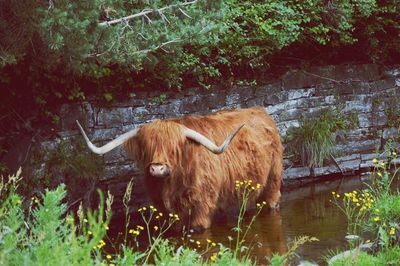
304,211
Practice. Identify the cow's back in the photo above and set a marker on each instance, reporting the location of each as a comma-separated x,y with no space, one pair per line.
249,156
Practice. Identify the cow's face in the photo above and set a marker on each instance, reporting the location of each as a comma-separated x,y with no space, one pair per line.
159,148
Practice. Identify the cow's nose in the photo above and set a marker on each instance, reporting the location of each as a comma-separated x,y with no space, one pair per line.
159,170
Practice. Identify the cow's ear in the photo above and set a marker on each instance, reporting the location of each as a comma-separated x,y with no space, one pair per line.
132,148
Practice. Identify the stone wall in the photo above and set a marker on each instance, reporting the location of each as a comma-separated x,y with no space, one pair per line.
364,89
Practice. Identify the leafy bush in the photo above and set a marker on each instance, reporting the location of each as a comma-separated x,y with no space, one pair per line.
45,234
62,51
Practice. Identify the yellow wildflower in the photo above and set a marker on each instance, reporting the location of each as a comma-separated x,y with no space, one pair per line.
376,219
155,228
392,231
374,160
108,257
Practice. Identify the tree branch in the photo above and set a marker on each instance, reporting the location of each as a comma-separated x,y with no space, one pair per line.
157,47
144,13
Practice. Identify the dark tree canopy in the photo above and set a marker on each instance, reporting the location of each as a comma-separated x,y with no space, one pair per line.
61,50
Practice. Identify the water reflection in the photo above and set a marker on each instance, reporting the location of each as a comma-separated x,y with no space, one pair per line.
304,211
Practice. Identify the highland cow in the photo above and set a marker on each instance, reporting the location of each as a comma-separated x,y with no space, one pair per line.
185,172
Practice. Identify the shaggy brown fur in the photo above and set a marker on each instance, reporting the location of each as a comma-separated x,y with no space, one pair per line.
201,182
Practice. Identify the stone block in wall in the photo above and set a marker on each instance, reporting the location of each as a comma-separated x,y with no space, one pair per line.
214,100
366,160
111,171
336,74
391,133
394,72
296,172
326,170
270,89
350,163
381,85
47,147
291,104
290,114
113,117
297,79
232,99
192,104
358,146
69,113
366,72
140,114
245,92
375,119
203,103
254,102
351,87
356,134
301,93
104,134
116,155
284,126
358,103
171,109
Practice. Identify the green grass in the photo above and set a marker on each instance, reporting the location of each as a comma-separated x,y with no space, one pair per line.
313,140
375,211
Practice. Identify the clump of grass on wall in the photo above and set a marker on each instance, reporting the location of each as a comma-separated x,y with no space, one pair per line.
313,140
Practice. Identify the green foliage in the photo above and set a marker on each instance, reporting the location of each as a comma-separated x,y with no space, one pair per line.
62,51
284,259
375,210
313,140
45,234
74,159
392,111
386,257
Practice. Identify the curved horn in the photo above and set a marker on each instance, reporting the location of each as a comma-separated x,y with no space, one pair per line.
206,142
112,144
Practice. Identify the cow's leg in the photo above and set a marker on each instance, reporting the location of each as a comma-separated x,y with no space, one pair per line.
201,216
273,193
197,208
